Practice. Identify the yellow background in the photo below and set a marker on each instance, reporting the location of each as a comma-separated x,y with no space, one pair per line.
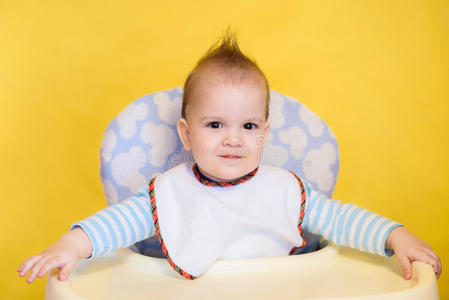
376,71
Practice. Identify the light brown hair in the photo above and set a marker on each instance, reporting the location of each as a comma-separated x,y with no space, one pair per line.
224,56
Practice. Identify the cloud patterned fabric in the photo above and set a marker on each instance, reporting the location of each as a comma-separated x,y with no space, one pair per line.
142,142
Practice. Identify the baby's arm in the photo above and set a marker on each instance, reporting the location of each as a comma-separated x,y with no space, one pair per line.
117,226
352,226
346,224
120,225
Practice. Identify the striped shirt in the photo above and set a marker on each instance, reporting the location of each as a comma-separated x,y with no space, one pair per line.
123,224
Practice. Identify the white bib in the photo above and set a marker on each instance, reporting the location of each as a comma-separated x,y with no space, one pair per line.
200,224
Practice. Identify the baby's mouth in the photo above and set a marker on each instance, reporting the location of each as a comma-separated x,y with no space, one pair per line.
231,156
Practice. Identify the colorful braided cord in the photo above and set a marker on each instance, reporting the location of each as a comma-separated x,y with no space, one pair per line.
209,182
301,212
158,232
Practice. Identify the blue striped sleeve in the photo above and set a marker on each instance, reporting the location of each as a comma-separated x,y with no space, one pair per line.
346,224
119,225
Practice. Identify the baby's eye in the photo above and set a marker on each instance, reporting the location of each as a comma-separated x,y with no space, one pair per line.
214,125
250,126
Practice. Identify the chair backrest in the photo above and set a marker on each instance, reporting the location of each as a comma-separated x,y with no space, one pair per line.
142,142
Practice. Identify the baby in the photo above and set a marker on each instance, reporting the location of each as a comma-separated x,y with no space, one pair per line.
227,205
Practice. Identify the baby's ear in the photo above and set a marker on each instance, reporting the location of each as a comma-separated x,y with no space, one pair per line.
184,134
267,128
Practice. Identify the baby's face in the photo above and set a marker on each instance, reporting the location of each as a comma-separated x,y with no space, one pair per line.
225,127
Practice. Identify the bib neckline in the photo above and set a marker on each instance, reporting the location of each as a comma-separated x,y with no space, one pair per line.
210,182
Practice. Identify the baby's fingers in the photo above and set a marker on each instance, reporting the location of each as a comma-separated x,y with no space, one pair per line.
35,269
49,264
66,271
406,266
425,258
435,262
436,265
27,264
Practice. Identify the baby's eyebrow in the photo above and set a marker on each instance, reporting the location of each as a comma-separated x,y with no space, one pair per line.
253,119
259,120
210,118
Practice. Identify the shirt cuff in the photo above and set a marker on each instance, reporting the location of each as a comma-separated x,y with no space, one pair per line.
90,235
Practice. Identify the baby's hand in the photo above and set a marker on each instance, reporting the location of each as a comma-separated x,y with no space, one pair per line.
409,248
64,255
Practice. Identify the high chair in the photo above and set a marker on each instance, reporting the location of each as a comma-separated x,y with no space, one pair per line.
141,142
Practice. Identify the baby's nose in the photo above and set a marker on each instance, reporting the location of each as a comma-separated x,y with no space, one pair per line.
232,139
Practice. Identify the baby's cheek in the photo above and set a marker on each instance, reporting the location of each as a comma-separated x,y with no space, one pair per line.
203,146
206,158
255,156
258,141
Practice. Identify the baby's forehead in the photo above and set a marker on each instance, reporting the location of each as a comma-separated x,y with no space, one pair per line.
228,98
212,82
